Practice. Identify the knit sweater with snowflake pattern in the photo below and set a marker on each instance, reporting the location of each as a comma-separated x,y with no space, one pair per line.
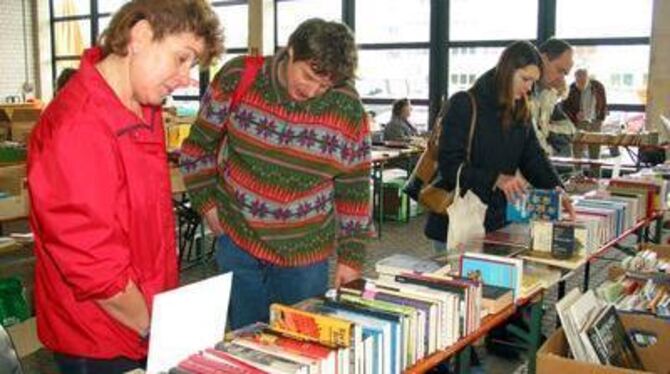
291,179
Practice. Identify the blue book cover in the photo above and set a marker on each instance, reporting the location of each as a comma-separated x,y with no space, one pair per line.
544,204
499,274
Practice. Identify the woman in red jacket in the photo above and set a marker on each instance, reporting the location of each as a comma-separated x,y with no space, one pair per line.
100,192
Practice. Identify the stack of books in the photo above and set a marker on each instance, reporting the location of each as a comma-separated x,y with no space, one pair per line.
384,325
640,285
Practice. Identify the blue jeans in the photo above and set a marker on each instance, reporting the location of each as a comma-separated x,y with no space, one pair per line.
257,283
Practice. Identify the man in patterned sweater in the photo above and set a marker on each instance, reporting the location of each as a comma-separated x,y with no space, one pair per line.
289,183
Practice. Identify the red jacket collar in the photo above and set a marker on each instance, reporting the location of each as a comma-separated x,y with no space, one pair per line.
101,90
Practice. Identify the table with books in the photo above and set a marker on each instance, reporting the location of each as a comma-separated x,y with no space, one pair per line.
418,313
382,156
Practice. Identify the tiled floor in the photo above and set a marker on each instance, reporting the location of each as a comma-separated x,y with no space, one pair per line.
397,238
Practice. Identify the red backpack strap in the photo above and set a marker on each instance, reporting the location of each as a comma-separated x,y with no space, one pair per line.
252,64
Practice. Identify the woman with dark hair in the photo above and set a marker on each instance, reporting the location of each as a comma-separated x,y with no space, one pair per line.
505,151
101,207
399,128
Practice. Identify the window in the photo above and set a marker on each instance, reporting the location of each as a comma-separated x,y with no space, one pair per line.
69,8
109,6
402,21
291,13
72,37
603,18
470,66
383,114
625,66
235,24
492,20
393,74
394,55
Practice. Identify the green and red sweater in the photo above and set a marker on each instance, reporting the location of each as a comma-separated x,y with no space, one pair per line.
291,180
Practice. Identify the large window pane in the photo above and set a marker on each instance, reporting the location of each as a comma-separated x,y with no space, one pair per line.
603,18
235,21
103,22
109,6
72,37
493,20
291,13
403,21
418,118
467,64
65,8
622,69
393,74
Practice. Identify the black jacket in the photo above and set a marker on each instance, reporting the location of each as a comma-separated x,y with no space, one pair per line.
494,151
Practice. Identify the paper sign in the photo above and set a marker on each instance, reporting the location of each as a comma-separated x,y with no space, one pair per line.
187,320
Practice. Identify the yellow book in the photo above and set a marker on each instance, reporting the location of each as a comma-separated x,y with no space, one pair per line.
327,330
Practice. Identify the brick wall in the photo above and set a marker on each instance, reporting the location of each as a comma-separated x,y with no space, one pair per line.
12,56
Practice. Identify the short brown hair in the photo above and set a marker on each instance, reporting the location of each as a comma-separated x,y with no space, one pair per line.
166,17
328,46
517,55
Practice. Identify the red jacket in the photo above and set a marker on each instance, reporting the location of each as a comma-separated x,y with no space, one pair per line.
101,214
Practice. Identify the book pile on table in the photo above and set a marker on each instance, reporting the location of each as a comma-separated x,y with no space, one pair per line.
600,217
594,331
371,326
641,284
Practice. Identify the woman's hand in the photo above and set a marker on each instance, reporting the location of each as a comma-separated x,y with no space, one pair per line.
513,186
567,205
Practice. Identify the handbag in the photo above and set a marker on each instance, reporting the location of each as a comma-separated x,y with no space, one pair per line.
466,217
422,184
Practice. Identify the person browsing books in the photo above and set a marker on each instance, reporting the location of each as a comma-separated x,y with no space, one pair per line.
505,151
399,128
101,204
292,183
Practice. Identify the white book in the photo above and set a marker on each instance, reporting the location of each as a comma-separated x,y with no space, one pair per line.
583,312
571,332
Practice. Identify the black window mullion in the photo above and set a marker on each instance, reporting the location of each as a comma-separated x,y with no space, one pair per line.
438,57
349,13
94,22
53,42
546,20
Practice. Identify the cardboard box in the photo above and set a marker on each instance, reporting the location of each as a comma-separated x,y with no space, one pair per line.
553,355
24,336
5,124
12,179
23,121
662,250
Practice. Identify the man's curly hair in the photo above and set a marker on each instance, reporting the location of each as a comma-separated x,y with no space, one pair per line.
329,47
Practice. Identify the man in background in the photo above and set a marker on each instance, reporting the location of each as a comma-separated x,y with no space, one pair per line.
586,106
557,57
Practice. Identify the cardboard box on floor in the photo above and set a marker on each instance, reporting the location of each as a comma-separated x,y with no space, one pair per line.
12,182
16,123
12,178
23,121
662,250
553,355
24,337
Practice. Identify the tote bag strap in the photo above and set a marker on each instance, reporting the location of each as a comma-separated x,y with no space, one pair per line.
473,123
